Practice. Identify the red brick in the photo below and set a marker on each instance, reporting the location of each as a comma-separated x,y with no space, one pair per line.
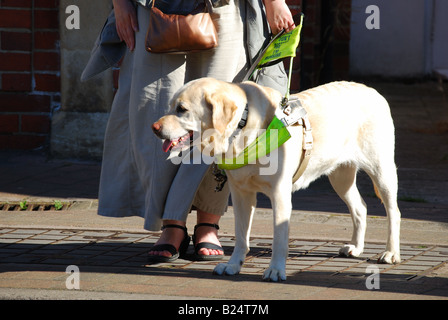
15,18
16,3
307,65
22,102
308,48
46,19
342,34
16,82
16,41
22,142
9,123
35,124
308,32
312,2
46,61
15,61
46,40
47,82
343,16
295,82
341,65
295,11
46,3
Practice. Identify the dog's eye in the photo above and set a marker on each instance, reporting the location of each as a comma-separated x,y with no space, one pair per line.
181,109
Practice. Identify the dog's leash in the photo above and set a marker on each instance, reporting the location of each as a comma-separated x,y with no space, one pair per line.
290,111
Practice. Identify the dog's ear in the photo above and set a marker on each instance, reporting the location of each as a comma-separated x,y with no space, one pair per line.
223,110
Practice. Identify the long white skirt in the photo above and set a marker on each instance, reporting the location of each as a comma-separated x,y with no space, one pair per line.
136,177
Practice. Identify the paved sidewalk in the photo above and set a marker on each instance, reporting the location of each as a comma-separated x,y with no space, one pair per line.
38,242
113,262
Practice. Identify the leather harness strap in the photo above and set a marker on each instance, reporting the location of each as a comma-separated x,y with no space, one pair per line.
307,146
293,113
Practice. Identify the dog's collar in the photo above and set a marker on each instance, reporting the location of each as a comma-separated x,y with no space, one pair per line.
243,120
241,124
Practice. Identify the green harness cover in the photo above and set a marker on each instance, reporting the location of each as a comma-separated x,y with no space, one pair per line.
275,135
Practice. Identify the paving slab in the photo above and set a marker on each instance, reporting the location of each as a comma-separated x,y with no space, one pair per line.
116,262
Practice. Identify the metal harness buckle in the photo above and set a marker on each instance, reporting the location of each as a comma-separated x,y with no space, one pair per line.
290,111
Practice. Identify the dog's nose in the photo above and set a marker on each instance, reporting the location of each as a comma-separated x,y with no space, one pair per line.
156,127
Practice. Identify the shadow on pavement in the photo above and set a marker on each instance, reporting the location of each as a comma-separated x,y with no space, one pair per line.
312,264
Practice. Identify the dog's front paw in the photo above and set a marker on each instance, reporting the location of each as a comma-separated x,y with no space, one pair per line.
389,257
227,269
350,250
275,275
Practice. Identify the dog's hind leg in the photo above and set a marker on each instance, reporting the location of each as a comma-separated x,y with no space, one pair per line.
343,180
244,204
385,179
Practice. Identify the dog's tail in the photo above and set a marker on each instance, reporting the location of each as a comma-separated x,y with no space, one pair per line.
377,192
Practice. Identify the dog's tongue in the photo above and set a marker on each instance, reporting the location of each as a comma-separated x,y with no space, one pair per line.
167,144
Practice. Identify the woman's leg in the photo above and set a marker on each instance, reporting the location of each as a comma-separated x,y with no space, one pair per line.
227,62
210,205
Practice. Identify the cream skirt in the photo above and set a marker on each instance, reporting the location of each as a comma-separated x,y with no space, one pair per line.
136,177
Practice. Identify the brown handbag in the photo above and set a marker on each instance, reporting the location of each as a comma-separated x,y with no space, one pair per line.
175,33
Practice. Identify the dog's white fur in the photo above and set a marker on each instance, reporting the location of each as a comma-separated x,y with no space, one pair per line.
352,130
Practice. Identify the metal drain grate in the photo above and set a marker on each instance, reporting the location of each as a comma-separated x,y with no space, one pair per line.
34,206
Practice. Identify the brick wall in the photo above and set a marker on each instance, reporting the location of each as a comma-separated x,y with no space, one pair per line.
29,71
30,62
323,54
325,45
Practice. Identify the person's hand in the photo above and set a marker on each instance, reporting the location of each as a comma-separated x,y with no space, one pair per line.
126,20
279,16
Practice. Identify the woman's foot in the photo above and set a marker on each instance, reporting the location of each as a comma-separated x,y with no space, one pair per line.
169,236
205,238
208,234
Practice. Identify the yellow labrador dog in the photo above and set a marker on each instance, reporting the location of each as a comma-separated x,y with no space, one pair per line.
352,130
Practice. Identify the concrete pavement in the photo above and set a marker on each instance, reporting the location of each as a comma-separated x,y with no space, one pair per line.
38,242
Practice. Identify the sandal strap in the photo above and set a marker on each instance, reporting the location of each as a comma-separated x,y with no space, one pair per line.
174,226
213,225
